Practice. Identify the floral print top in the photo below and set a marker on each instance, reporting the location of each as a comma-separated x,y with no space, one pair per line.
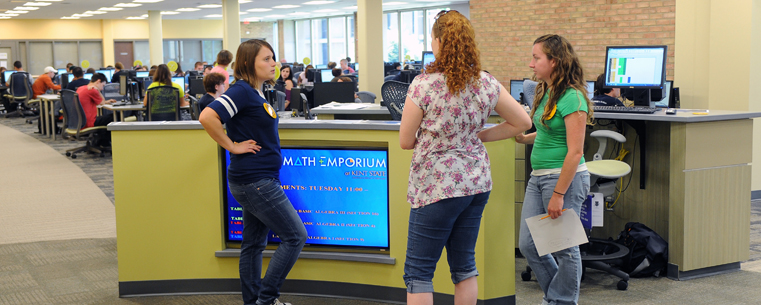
449,160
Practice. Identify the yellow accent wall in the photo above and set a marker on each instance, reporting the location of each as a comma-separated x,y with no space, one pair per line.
52,29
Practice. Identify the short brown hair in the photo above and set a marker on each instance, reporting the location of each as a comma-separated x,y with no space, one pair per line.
119,66
245,66
211,81
224,57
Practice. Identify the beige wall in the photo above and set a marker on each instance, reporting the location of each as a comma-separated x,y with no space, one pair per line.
754,102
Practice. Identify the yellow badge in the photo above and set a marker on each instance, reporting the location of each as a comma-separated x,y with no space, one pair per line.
552,114
270,110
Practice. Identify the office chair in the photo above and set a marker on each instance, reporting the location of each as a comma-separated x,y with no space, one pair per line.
529,89
394,94
195,108
163,104
603,254
75,121
280,101
366,96
21,93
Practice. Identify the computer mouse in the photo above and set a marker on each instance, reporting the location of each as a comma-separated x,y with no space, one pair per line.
671,111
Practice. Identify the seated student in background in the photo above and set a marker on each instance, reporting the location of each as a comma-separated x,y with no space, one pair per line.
163,77
606,96
90,70
45,82
332,65
178,72
345,67
68,67
19,68
118,67
336,73
78,80
285,83
303,76
207,70
214,83
90,97
198,66
397,69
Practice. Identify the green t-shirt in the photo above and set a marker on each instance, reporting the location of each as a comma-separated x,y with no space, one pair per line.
550,145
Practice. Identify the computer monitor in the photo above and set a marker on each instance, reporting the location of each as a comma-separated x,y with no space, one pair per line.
326,75
180,81
64,80
356,67
296,102
590,89
196,86
231,79
108,73
310,75
322,182
62,71
321,66
70,77
142,74
636,68
428,58
123,84
333,92
88,76
7,75
662,95
516,88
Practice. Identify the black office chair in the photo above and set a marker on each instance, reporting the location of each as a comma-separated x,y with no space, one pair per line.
163,104
195,108
75,121
394,94
21,94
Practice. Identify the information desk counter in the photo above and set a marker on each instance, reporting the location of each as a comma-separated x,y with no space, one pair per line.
170,217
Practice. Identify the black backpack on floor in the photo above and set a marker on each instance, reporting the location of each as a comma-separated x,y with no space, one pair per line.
648,252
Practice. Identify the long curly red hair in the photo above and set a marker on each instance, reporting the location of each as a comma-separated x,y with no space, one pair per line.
458,57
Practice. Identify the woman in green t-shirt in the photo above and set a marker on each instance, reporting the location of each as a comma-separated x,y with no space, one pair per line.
559,179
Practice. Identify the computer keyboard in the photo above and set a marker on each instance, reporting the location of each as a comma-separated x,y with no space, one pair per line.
620,109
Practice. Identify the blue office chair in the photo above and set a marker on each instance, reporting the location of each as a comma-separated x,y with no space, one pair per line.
75,121
21,94
366,96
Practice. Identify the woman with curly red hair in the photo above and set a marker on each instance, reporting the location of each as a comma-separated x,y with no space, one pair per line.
450,179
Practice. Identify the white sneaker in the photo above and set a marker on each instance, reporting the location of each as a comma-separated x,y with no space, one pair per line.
277,302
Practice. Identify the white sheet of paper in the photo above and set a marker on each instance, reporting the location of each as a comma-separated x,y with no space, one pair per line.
598,209
552,235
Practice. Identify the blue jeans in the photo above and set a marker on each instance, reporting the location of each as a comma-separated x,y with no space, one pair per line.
452,223
560,281
265,207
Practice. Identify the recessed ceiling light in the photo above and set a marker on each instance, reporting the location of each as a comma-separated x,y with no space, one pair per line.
188,9
26,8
259,10
147,1
15,12
214,16
210,6
95,12
350,7
127,4
144,16
5,17
318,2
327,10
244,1
81,15
286,6
169,13
37,4
8,15
110,9
298,14
69,17
394,3
135,18
274,16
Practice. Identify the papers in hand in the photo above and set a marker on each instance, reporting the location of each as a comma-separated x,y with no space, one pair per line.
552,235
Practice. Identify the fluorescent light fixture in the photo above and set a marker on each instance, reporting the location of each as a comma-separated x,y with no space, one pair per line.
135,18
5,17
26,8
214,16
49,0
144,16
169,13
286,6
298,14
81,15
274,16
8,15
350,7
94,12
110,9
147,1
69,17
15,12
318,2
394,3
244,1
188,9
127,5
210,6
253,19
259,10
37,4
242,13
327,10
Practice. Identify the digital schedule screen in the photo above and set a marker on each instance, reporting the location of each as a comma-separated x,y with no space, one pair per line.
341,195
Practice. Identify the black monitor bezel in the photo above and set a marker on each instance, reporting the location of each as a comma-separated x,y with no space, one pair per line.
307,246
663,67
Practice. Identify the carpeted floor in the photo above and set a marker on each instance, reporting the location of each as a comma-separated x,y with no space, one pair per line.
84,270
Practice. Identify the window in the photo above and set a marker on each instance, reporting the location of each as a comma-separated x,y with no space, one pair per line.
41,56
210,50
391,37
170,51
320,45
413,37
337,39
190,53
65,52
142,53
275,43
304,40
430,16
350,40
289,41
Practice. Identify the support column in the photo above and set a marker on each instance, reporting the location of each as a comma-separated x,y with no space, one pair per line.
155,38
370,45
231,21
107,26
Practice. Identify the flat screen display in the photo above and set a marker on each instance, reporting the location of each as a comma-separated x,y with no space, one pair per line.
590,89
7,76
88,76
180,81
327,75
428,58
516,88
108,73
638,67
664,102
71,77
341,195
142,74
62,71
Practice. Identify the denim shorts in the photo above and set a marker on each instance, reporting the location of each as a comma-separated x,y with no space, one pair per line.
451,223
